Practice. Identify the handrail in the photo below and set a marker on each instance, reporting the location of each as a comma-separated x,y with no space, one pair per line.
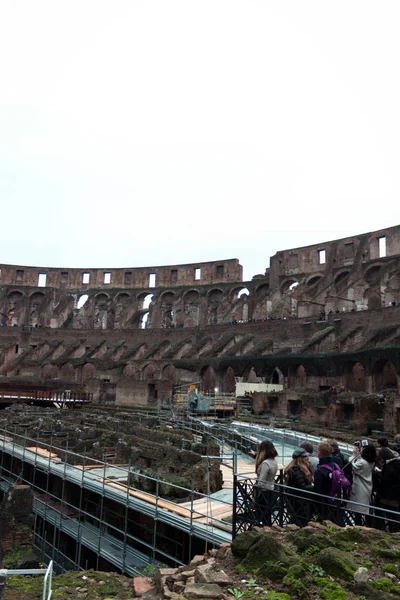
47,581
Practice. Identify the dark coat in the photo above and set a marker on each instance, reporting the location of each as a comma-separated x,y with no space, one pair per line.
323,477
389,482
298,480
338,458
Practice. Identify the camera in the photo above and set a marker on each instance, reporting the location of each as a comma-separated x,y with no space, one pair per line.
363,443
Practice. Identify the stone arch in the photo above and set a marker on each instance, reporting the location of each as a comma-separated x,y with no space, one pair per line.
262,291
301,376
14,299
169,373
314,280
36,301
101,304
148,372
167,300
144,300
39,296
214,298
277,376
144,320
81,301
88,371
229,381
289,285
372,298
122,298
384,375
355,377
121,302
47,371
341,280
67,372
251,375
372,274
209,379
130,371
191,301
243,292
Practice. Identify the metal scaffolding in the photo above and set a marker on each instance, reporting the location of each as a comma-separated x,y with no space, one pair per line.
87,515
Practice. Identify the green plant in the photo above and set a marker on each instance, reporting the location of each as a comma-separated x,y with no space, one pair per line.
329,529
315,570
311,550
315,518
251,583
235,593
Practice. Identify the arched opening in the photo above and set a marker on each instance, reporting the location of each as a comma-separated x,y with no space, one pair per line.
169,373
277,376
129,371
314,280
47,371
385,375
301,376
146,301
341,280
190,315
144,320
87,371
355,380
262,291
148,372
242,292
289,285
14,304
100,311
67,372
82,301
372,298
214,299
229,382
166,307
209,379
372,275
252,376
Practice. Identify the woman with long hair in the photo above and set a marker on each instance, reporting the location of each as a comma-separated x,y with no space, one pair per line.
298,476
266,469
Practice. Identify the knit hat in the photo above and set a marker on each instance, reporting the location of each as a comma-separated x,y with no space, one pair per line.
299,452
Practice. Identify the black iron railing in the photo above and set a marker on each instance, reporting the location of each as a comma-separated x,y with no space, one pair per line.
285,505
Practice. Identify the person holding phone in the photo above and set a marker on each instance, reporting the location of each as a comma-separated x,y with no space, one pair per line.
362,463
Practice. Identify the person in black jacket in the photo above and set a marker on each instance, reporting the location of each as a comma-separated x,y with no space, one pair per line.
299,477
388,490
323,482
338,457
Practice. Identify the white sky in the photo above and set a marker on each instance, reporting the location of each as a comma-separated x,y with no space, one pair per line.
137,133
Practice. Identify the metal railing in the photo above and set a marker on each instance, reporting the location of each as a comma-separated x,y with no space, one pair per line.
286,505
47,581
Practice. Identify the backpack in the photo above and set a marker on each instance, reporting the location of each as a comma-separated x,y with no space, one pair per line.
340,487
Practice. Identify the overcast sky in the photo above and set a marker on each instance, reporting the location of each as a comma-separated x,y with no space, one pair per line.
137,133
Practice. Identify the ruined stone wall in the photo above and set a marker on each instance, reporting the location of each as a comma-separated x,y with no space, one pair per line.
204,324
343,275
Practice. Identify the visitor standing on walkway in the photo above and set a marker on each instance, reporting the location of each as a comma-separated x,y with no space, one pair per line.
363,463
299,476
266,469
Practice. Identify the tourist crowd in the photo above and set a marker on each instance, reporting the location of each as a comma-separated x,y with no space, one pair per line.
370,477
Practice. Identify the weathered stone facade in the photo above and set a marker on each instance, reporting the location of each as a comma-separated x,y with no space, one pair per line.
205,324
